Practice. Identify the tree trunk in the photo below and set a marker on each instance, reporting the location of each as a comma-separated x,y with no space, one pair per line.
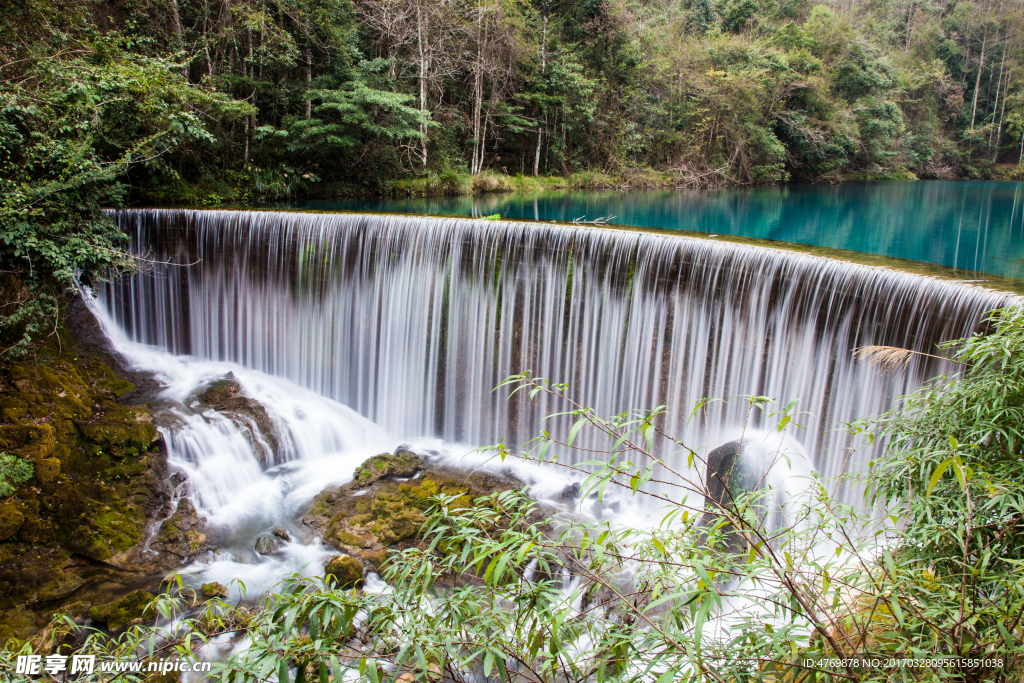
999,87
910,18
999,130
179,33
483,141
309,81
544,45
977,81
423,82
478,96
536,157
206,47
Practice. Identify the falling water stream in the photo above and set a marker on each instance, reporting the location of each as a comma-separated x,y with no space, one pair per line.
360,332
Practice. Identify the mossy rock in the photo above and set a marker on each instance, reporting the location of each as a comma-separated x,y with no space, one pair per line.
402,464
347,538
117,431
40,442
214,590
346,570
402,525
121,613
373,559
399,515
47,469
388,511
108,529
10,521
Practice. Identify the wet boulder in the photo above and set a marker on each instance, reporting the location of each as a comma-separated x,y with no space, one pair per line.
403,463
183,533
225,397
728,478
268,545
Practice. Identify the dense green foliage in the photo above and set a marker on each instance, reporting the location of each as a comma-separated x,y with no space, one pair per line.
79,109
954,474
924,586
356,94
13,471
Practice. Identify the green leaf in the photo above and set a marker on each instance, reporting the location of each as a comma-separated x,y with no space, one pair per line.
575,430
937,474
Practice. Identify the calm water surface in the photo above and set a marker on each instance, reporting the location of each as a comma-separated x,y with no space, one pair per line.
973,226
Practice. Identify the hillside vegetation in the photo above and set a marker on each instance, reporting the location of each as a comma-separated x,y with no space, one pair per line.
258,98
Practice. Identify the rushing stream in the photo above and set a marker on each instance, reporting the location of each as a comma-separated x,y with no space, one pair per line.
358,333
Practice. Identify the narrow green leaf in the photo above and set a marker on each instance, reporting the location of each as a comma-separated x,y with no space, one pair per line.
937,475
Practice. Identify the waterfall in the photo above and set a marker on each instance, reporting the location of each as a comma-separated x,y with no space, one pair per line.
411,321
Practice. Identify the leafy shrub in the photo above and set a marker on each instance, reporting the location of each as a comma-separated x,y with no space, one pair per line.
13,471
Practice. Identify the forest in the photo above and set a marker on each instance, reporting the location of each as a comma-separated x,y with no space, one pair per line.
210,101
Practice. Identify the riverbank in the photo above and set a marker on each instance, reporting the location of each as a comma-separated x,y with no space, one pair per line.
235,190
86,475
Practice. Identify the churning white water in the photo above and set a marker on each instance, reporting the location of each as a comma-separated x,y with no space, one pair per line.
412,321
244,490
234,486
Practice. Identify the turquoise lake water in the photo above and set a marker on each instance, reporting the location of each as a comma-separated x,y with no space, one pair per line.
969,225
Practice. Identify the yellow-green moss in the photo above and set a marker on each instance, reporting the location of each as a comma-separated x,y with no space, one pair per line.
120,613
214,590
10,521
347,538
92,476
401,464
346,570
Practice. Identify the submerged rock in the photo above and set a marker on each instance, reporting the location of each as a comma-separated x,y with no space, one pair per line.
267,545
121,613
346,570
